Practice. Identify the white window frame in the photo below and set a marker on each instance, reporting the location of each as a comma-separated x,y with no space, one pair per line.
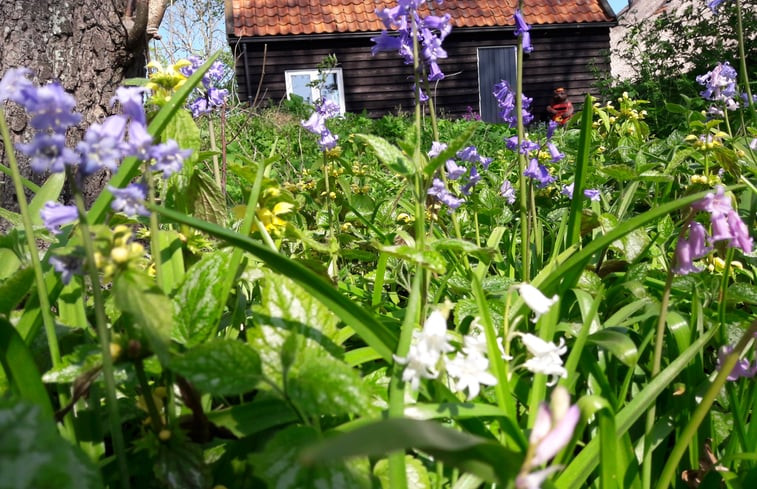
315,93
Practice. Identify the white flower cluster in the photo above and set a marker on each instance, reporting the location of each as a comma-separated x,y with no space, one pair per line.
427,355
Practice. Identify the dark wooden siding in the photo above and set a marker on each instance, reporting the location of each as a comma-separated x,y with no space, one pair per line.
562,57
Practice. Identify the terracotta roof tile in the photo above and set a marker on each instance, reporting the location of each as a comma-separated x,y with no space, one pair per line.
282,17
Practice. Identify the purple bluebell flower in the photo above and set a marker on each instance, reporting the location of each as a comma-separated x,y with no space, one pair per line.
526,145
740,233
436,149
522,29
567,190
743,367
551,126
554,152
505,97
698,239
54,215
168,157
683,258
538,172
48,152
67,266
720,83
471,155
592,194
744,98
140,141
210,96
130,199
439,190
132,103
103,145
507,191
725,221
454,171
316,123
51,107
13,82
473,178
714,4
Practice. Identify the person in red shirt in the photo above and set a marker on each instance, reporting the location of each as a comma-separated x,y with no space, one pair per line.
561,108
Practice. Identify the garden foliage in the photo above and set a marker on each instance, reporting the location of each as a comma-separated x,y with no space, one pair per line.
297,299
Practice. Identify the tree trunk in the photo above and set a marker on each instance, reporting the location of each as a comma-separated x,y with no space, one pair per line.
84,45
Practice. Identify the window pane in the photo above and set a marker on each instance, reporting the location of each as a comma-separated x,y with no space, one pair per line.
330,89
300,86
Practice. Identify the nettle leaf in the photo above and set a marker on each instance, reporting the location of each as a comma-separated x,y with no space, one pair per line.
415,471
198,302
180,465
280,467
327,386
286,308
388,154
462,246
183,129
205,199
742,292
620,173
220,367
136,295
34,456
431,260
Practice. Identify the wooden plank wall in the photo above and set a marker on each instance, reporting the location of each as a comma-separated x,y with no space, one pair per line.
382,84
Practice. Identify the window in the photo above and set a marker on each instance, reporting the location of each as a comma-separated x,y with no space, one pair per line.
300,82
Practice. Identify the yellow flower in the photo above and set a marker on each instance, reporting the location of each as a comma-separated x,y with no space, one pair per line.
270,218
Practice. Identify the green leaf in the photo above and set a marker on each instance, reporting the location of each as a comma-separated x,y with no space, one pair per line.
135,294
205,199
280,467
325,386
34,456
364,323
183,129
220,367
254,417
582,168
416,473
620,173
197,303
430,260
15,288
482,457
50,190
460,246
618,342
742,292
655,177
388,154
180,465
22,372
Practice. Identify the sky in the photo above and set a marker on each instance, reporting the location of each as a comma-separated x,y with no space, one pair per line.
617,5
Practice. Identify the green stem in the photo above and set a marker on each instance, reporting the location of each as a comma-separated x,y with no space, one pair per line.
152,409
656,363
699,414
154,232
39,277
119,447
523,201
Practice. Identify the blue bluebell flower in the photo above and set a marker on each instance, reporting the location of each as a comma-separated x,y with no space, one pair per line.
67,266
507,191
439,190
13,83
522,29
129,200
505,97
168,157
538,172
48,152
55,215
103,145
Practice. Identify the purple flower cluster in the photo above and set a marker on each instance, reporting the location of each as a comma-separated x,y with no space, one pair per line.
210,96
324,110
743,367
505,97
589,193
431,29
470,161
726,225
720,85
522,29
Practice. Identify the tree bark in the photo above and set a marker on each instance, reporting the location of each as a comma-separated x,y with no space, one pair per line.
84,45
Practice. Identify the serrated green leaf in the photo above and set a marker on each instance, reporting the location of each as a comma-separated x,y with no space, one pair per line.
279,464
34,456
205,199
388,154
180,465
618,342
620,173
197,303
428,259
415,473
327,386
15,288
136,295
220,367
742,292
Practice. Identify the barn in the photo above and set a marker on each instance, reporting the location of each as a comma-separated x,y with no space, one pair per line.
280,43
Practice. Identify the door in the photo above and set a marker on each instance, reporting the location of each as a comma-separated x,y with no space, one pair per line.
494,65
